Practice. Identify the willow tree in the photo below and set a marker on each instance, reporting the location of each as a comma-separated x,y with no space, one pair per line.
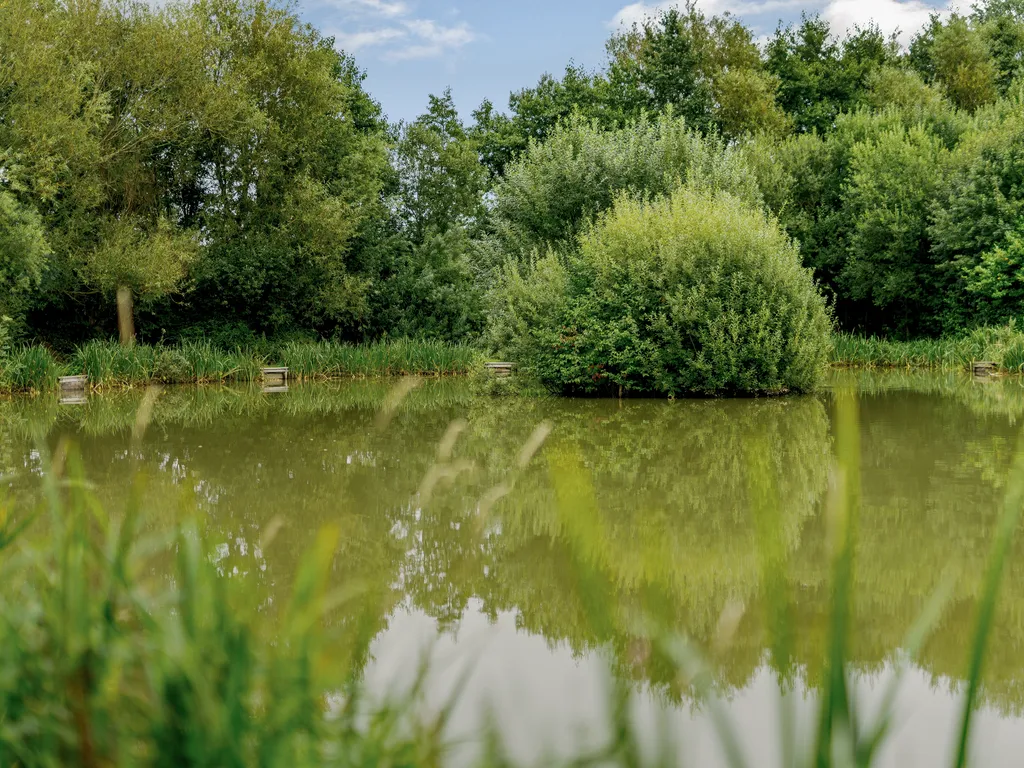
95,107
219,143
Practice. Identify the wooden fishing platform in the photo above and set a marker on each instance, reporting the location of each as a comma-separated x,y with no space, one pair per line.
500,369
984,368
275,376
73,383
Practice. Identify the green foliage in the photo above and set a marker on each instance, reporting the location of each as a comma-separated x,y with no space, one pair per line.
894,177
861,202
983,201
706,70
441,181
903,89
224,147
820,77
560,186
5,336
151,263
223,161
423,259
999,276
694,293
23,254
431,289
963,65
536,112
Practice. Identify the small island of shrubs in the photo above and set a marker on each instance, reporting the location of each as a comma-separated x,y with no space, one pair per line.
697,292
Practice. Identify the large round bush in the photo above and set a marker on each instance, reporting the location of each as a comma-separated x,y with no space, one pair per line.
698,292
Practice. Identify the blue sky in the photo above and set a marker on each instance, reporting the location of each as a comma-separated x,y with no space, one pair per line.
487,48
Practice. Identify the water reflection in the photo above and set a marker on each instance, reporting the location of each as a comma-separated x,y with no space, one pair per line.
632,511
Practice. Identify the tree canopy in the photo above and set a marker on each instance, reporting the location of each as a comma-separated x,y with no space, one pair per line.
223,162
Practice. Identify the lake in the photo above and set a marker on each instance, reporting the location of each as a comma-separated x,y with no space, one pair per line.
540,540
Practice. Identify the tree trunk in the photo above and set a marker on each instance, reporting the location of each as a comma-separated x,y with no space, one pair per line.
126,315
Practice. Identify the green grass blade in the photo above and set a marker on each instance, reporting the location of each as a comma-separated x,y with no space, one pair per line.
835,724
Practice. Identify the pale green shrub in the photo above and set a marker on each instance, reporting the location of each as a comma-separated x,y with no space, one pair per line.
695,293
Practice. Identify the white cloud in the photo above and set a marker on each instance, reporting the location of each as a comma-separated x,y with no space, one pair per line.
393,28
431,39
353,42
904,17
637,13
378,7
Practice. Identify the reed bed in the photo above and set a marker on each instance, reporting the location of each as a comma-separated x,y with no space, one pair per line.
1002,345
30,369
109,365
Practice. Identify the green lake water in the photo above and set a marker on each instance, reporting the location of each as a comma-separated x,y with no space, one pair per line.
540,566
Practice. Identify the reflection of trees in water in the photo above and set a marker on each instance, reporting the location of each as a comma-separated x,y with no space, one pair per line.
669,533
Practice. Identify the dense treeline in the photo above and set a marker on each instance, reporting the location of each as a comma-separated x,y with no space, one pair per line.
222,161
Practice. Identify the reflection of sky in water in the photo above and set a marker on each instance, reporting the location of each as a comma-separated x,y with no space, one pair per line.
547,700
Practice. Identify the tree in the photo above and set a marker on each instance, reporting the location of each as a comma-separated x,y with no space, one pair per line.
425,283
860,201
1002,25
535,112
963,64
707,70
558,187
441,180
23,254
221,144
895,176
287,168
820,77
92,97
428,288
983,200
903,89
660,63
998,278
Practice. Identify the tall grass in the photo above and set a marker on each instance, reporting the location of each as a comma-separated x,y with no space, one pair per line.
1003,345
111,364
30,369
108,364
